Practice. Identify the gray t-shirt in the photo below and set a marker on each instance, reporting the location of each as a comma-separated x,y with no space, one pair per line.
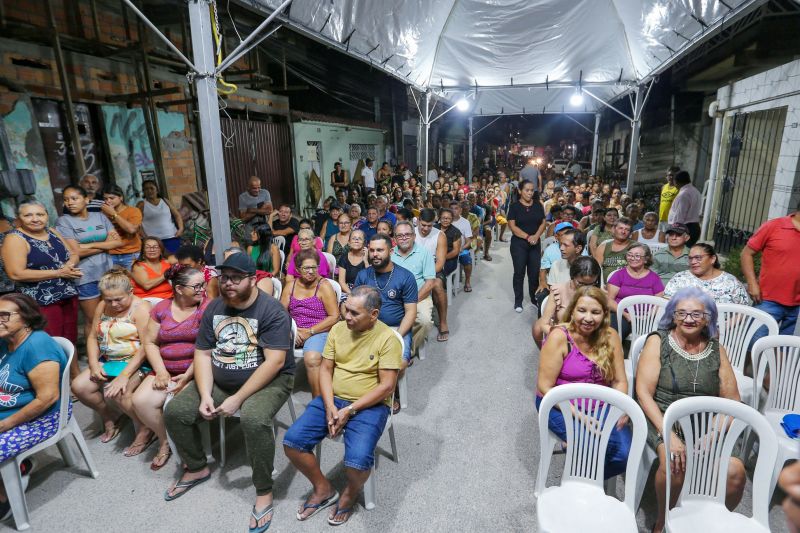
248,201
237,338
95,228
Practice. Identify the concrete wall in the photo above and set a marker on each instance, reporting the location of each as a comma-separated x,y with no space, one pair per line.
335,140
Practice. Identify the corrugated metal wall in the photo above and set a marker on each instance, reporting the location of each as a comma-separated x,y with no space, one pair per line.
254,148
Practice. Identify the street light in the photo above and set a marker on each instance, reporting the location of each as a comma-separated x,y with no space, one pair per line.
462,105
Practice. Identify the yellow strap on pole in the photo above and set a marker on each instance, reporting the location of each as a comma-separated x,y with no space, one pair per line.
227,88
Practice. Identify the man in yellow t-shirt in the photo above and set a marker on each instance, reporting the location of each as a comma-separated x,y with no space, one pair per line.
668,193
360,364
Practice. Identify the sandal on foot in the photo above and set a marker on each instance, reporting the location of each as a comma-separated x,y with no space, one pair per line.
467,288
327,502
166,455
115,430
395,406
139,446
487,257
258,515
336,512
186,486
443,336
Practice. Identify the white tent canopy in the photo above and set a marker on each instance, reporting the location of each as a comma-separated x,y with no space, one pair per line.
492,47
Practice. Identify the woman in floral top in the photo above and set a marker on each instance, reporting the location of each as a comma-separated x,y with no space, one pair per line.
705,272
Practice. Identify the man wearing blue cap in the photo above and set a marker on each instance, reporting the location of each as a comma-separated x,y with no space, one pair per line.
551,254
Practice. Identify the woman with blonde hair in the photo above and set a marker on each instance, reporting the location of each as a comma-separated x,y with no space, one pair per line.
116,356
585,349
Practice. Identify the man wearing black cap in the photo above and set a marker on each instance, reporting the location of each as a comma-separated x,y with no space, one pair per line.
368,177
675,258
242,364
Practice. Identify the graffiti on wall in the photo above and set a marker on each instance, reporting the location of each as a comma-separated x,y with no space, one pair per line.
129,148
27,151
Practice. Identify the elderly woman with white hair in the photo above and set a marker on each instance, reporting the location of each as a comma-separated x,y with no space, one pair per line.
305,240
684,359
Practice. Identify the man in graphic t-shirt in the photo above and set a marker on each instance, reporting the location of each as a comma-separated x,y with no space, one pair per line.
243,366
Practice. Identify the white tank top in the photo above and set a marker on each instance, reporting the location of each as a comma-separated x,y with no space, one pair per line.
429,242
157,220
654,240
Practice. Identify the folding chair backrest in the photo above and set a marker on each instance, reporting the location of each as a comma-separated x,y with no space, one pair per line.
711,427
597,410
780,355
645,313
66,393
737,325
277,288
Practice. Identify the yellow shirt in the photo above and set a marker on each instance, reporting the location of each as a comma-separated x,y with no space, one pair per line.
668,194
357,357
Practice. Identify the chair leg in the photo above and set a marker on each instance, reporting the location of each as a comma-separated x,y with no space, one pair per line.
66,453
369,491
422,351
393,443
645,465
291,409
402,385
12,481
205,436
77,434
221,420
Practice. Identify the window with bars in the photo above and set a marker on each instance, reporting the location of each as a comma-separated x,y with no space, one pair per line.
362,151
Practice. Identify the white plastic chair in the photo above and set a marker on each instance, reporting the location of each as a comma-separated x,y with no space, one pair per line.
283,259
280,242
337,288
580,503
780,356
711,426
152,299
402,383
645,313
451,286
633,360
370,497
737,325
331,263
277,288
67,426
547,241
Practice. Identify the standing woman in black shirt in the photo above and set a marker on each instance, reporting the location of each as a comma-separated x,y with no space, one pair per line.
526,220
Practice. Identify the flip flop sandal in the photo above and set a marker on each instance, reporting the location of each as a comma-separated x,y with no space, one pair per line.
327,502
487,257
114,434
467,288
186,485
258,516
166,455
443,336
141,446
339,510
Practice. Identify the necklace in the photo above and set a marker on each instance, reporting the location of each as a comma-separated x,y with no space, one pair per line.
388,281
686,356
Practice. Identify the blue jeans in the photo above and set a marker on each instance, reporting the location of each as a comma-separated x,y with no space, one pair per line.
361,433
619,443
784,315
124,260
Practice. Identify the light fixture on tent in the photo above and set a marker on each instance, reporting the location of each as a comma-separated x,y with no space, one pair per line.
577,98
462,104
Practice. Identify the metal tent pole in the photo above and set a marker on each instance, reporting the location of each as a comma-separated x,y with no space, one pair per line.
469,161
208,110
712,184
427,126
635,125
596,143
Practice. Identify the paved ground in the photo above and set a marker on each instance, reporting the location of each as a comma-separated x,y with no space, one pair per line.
468,447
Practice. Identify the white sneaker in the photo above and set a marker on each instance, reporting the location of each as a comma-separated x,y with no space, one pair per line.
518,309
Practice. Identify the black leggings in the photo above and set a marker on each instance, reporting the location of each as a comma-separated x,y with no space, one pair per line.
525,258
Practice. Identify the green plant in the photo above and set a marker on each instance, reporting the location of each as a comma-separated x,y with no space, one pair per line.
733,263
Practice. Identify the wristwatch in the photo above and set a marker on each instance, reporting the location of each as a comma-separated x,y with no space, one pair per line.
353,411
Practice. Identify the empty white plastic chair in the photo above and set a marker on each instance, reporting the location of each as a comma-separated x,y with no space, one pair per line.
580,503
67,426
780,356
711,426
737,325
370,493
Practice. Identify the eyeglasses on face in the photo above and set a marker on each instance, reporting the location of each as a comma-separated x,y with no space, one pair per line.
224,278
696,258
198,287
403,235
308,268
696,315
304,239
5,316
634,257
154,247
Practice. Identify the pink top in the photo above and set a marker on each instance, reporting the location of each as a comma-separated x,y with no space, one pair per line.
324,269
577,368
307,312
176,339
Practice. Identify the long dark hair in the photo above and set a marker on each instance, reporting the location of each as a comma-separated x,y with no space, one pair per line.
264,242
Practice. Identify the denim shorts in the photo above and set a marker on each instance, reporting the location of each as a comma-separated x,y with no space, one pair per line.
465,258
88,291
361,433
315,343
124,260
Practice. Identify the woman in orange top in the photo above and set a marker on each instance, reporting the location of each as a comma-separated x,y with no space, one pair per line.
148,271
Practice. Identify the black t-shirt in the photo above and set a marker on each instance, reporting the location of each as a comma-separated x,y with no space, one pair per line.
293,223
451,234
350,270
528,219
237,338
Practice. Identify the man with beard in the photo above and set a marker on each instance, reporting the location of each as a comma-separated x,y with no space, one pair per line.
242,364
398,290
